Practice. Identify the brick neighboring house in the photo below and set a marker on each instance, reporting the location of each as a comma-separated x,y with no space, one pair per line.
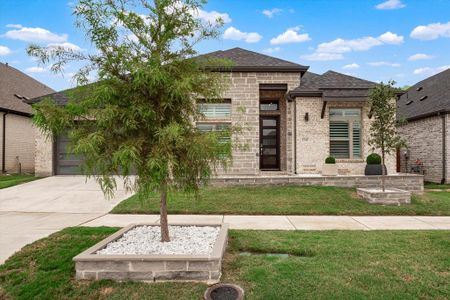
17,137
426,107
292,119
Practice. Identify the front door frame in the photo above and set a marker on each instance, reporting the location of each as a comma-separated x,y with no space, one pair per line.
277,146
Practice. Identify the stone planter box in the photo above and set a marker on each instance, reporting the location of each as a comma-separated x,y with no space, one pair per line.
152,268
391,196
329,170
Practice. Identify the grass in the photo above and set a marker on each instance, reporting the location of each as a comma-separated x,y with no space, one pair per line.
321,265
280,200
11,180
432,185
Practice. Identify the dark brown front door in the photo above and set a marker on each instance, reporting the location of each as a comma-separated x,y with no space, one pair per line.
269,142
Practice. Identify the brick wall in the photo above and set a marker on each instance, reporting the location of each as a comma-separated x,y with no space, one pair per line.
243,91
19,143
44,154
424,141
313,142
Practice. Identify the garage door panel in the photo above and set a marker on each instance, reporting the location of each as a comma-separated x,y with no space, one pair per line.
67,163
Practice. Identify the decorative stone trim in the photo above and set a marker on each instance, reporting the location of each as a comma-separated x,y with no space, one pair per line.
390,196
152,268
409,182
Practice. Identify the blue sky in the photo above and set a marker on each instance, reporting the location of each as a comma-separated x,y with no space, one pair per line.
404,40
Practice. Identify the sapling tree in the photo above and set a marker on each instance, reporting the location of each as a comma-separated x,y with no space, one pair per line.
383,131
139,115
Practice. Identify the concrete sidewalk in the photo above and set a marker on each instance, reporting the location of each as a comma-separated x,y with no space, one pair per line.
288,222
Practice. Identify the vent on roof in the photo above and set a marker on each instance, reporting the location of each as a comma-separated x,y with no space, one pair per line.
419,88
423,98
409,102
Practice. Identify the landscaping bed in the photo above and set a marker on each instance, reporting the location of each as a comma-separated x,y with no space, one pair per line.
284,200
11,180
267,264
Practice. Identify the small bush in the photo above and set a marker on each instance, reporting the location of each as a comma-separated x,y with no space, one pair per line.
373,159
330,160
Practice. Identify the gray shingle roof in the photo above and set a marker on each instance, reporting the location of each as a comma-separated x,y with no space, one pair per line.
13,82
246,61
333,86
426,97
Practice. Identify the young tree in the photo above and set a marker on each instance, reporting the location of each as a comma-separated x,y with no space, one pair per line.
139,116
383,131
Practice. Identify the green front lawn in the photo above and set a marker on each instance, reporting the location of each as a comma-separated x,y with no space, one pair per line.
320,265
289,200
11,180
431,185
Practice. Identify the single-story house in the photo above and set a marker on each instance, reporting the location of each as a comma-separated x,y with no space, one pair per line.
17,139
426,108
292,119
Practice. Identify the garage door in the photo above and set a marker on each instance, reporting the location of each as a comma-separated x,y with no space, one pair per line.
67,163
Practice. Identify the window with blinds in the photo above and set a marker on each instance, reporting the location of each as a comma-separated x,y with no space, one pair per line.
215,110
222,128
345,133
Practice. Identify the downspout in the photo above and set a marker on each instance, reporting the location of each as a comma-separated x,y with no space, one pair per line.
4,143
295,136
444,149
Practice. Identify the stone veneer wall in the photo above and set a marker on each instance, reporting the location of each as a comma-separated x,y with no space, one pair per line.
19,143
424,140
44,154
243,91
313,142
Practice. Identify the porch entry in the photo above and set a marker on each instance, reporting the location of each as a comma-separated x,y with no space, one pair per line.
269,142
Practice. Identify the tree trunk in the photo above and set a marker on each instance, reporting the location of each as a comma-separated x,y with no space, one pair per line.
163,213
383,171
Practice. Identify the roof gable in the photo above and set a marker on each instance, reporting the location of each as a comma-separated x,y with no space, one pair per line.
13,82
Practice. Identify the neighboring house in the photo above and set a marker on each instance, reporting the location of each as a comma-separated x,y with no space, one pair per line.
426,108
291,119
17,135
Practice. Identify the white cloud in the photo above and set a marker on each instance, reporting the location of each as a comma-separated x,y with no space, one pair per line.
330,50
383,64
390,4
235,34
351,66
35,70
430,71
270,13
4,51
291,35
391,38
323,56
272,50
14,26
419,56
35,34
431,31
212,16
65,45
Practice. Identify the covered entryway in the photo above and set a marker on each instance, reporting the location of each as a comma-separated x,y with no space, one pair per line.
67,163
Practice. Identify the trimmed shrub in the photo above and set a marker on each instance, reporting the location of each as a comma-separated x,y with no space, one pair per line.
373,159
330,160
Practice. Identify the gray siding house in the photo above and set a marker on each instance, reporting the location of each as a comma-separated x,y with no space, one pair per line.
426,108
292,119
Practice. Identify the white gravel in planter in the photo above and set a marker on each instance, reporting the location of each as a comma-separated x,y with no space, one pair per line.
146,239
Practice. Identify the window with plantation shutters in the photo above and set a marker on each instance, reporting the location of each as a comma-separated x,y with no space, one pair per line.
345,133
220,110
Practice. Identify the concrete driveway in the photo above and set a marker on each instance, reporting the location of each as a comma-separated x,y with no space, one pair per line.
37,209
